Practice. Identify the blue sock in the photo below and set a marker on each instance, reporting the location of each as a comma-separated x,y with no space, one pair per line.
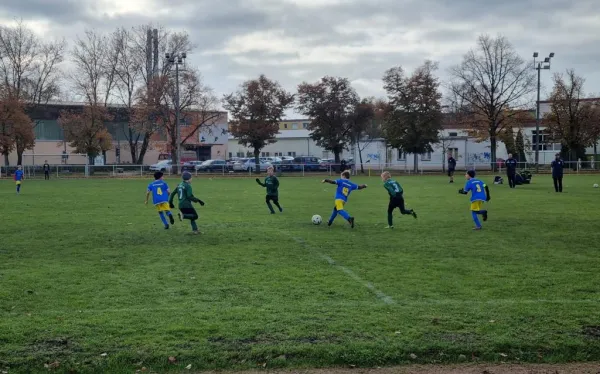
476,219
169,213
18,188
194,226
333,215
482,212
163,218
344,214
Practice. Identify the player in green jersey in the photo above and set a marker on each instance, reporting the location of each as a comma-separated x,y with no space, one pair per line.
186,198
272,185
396,199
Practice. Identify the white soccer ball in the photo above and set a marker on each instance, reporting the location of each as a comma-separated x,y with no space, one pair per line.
595,185
316,219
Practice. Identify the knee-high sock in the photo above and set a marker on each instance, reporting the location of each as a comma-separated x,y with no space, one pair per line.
270,207
194,226
344,214
333,215
277,205
476,219
18,188
390,219
163,218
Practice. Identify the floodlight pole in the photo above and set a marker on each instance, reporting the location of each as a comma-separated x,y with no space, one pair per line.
177,59
539,66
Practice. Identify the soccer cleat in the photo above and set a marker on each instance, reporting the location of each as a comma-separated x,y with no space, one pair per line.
272,212
389,227
329,223
351,221
280,210
414,214
476,228
166,227
485,216
196,232
171,219
180,215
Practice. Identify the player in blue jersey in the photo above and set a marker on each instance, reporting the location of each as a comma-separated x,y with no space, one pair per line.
19,176
344,188
160,198
479,193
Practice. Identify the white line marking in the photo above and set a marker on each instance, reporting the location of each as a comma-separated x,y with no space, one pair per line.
385,298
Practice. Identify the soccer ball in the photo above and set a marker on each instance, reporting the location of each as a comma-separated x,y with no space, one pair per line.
316,219
595,185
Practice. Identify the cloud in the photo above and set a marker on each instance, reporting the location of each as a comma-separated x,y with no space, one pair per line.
302,40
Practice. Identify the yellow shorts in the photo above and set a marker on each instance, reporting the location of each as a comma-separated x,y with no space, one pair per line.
162,207
18,183
476,206
339,204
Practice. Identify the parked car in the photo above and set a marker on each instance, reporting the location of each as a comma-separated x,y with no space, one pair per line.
212,165
287,165
239,164
307,163
250,165
190,165
164,166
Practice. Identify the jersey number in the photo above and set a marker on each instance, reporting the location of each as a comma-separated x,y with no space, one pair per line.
345,191
478,188
159,191
181,194
396,188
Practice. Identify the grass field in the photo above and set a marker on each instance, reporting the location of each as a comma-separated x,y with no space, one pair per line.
90,282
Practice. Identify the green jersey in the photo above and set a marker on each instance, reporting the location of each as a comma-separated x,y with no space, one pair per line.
184,194
272,184
393,188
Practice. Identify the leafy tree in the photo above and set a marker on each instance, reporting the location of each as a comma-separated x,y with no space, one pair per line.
414,122
256,110
520,147
366,126
331,105
491,81
86,131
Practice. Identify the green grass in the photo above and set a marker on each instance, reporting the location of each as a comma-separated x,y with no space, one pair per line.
86,269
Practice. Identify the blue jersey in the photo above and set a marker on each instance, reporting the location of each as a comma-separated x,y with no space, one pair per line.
477,189
160,192
344,187
19,175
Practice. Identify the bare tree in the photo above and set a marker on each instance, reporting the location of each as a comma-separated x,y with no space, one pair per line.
492,80
573,118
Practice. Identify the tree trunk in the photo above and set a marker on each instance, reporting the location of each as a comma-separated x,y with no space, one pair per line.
143,149
493,146
336,158
416,161
132,147
595,154
6,162
20,157
174,161
257,159
362,168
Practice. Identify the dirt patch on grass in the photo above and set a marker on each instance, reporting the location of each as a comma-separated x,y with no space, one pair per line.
582,368
592,332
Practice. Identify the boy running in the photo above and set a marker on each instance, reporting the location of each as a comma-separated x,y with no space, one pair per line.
19,176
272,185
344,188
160,198
479,193
186,198
396,199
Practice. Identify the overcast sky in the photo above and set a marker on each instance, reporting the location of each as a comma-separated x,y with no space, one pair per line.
301,40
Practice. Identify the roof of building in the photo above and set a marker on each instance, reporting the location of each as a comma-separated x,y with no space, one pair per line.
288,134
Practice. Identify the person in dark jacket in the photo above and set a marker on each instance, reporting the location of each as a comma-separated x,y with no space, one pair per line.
557,172
511,171
451,167
46,170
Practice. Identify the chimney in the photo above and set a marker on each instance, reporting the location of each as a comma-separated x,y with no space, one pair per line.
155,35
149,55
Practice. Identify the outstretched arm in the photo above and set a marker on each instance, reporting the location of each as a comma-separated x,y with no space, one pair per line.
147,197
193,198
362,186
487,193
462,191
328,181
260,183
171,197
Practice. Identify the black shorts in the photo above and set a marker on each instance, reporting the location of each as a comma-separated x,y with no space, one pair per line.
274,199
189,212
396,202
450,172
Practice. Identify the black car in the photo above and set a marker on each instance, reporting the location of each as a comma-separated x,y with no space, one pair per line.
213,165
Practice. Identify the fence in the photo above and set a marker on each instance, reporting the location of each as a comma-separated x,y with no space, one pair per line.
371,169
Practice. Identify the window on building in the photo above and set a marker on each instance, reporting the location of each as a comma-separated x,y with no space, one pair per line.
325,154
545,142
278,154
305,125
294,126
292,154
266,154
453,152
239,154
285,125
452,134
401,155
230,155
426,156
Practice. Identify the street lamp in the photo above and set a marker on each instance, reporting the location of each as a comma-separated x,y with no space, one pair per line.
177,59
539,65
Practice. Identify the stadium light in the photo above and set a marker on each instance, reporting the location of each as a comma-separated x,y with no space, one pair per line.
539,65
177,59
